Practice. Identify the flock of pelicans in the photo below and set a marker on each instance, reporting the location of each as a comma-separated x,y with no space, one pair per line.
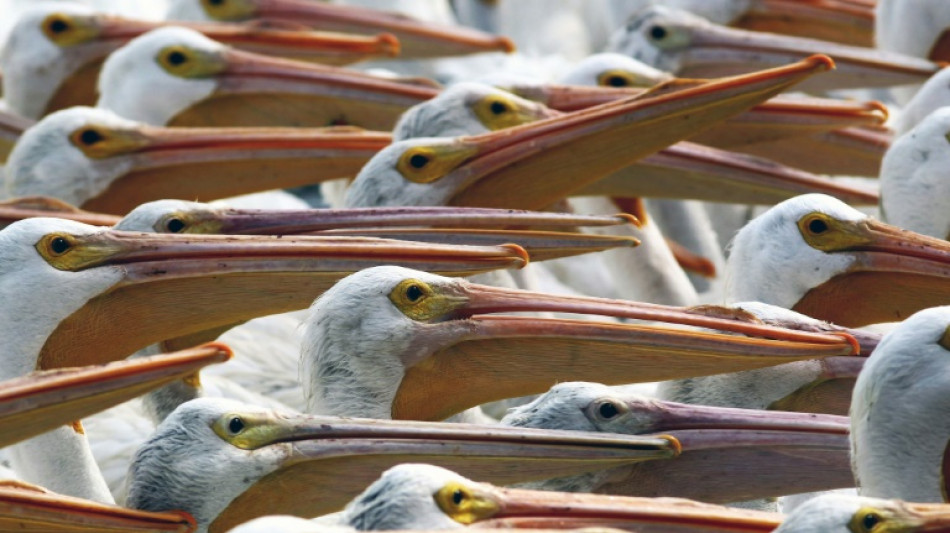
733,300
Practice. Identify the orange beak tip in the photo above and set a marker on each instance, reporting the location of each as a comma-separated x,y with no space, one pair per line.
507,45
630,219
389,43
850,339
520,252
225,351
822,62
881,108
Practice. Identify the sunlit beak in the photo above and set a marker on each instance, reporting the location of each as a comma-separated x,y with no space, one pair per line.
42,401
914,269
212,163
846,152
328,461
720,51
517,508
258,90
103,34
11,127
25,507
41,206
923,517
828,20
694,171
534,165
442,225
175,285
471,356
418,39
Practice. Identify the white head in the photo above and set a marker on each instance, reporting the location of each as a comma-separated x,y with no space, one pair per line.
357,343
48,159
188,465
614,70
33,65
929,98
842,513
466,109
915,192
136,81
403,498
36,295
187,10
771,262
899,431
656,36
910,26
149,216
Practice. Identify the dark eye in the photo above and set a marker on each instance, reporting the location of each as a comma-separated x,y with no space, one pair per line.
608,410
870,520
457,497
176,58
418,161
817,226
59,245
216,2
413,293
658,32
616,81
498,108
58,26
236,425
90,137
175,225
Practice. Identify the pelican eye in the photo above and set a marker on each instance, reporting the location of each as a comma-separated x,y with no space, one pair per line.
229,10
829,234
817,226
463,505
944,339
616,78
57,26
185,62
658,33
56,248
176,58
419,301
867,520
607,409
418,161
616,81
498,107
89,136
175,225
414,293
59,245
235,425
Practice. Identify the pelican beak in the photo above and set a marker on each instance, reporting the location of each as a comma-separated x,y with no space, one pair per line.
440,225
25,507
167,286
914,268
89,39
470,354
212,163
535,165
828,20
258,90
694,171
11,127
419,40
494,507
41,206
42,401
328,461
707,50
830,393
923,517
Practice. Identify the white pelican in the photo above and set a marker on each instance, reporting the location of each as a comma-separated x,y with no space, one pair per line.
82,271
388,341
838,513
109,164
205,83
417,39
931,96
690,46
421,496
914,191
54,52
224,462
913,27
898,449
479,170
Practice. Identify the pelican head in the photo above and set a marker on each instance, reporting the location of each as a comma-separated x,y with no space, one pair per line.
611,69
468,108
914,193
899,444
810,252
839,513
375,341
928,99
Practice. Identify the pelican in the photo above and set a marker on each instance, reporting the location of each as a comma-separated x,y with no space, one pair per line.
913,187
421,496
56,275
477,170
41,401
917,28
933,95
414,337
54,52
224,462
690,46
837,513
417,39
900,385
206,83
95,159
